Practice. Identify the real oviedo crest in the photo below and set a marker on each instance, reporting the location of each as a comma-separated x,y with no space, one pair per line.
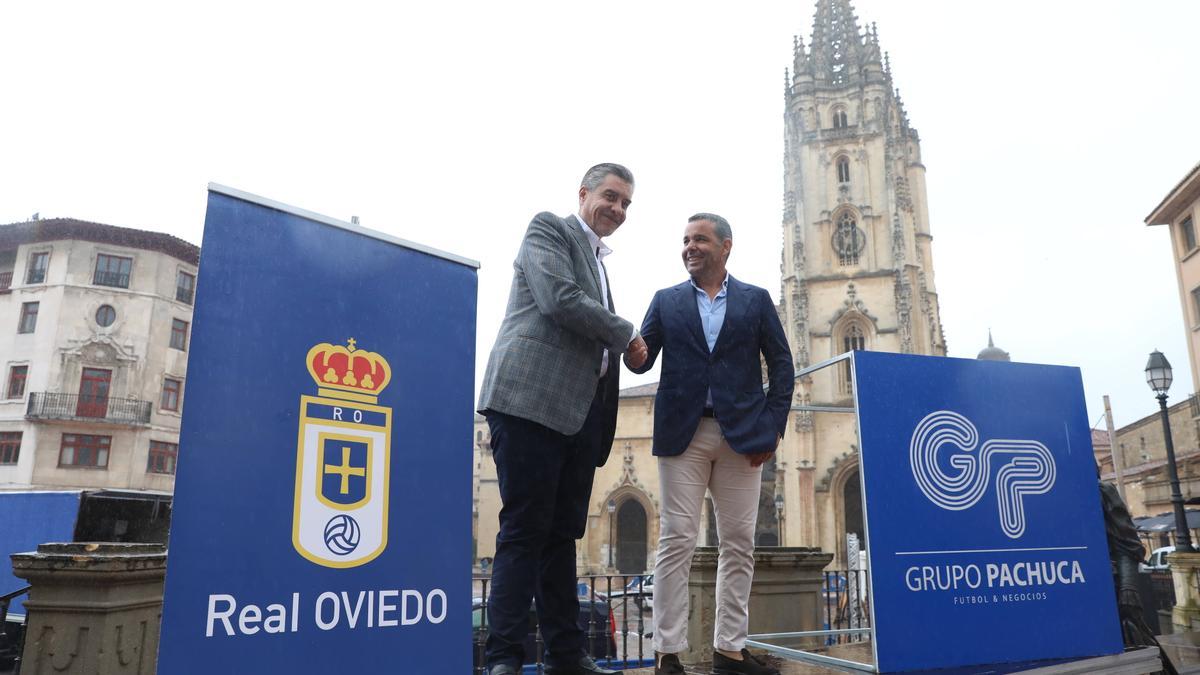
342,458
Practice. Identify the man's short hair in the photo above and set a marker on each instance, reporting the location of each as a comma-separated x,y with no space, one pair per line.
720,225
596,175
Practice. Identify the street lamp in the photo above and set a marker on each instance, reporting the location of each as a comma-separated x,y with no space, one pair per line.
612,508
779,514
1158,376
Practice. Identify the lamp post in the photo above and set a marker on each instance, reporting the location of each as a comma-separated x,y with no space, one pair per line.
612,508
1158,376
779,514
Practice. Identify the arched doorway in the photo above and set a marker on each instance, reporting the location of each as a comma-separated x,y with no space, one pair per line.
852,509
631,537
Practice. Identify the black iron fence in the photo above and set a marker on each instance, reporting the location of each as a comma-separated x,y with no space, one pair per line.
1164,590
74,407
12,634
614,614
845,599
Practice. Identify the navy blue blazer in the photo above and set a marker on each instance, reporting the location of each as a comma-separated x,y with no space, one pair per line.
750,419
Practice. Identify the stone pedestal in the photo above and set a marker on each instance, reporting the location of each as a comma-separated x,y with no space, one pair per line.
1187,598
93,609
785,595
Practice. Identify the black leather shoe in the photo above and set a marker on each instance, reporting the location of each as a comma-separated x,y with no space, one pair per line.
586,666
667,664
502,669
749,665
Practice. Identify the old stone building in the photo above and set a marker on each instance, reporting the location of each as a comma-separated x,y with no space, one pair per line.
94,329
856,273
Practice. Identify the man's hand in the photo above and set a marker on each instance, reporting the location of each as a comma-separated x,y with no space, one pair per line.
635,356
758,458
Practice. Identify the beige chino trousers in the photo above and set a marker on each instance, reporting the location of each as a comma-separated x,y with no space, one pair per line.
707,464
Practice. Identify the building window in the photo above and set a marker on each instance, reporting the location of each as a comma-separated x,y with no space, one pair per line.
112,270
843,169
84,450
1188,231
179,335
848,240
1196,305
162,457
16,381
28,322
185,287
105,316
839,119
38,262
10,447
170,394
852,340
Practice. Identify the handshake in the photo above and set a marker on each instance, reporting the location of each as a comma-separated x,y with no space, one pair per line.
636,354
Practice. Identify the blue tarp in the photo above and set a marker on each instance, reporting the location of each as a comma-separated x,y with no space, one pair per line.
28,519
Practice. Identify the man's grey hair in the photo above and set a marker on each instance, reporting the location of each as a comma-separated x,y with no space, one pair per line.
596,175
720,225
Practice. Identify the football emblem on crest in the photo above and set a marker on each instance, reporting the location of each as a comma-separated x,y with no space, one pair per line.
342,458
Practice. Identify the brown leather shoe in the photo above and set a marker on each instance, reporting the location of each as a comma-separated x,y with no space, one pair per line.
749,665
667,664
586,666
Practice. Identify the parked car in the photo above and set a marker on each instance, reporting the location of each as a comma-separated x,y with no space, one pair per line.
595,620
640,589
1157,562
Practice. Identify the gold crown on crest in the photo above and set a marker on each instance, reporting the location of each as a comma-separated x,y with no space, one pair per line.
348,372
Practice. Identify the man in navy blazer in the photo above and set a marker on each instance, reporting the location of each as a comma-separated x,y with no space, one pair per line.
714,426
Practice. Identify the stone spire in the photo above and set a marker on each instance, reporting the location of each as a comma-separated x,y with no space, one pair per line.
837,46
871,53
799,58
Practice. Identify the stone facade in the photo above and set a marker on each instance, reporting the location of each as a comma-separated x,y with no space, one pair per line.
83,381
856,273
1142,448
1180,212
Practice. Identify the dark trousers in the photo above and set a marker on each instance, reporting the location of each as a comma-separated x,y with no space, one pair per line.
545,484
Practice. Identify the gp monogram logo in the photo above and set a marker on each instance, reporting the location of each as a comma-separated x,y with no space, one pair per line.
1025,468
343,456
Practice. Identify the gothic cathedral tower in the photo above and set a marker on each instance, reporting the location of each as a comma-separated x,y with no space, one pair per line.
857,269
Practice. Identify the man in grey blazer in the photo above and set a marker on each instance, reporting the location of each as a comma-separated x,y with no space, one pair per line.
550,397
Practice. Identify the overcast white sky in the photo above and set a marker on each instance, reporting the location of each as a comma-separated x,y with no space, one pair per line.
1049,131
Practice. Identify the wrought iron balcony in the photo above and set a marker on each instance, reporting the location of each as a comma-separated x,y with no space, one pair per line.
114,279
5,281
76,408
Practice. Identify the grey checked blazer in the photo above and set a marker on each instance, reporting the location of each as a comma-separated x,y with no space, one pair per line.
545,363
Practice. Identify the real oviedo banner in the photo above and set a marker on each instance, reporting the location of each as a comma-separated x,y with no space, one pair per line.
323,496
985,533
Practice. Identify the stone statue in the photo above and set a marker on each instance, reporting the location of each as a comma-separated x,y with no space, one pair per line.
1125,551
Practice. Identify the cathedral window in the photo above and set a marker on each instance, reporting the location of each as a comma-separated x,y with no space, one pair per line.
853,339
843,169
848,240
839,119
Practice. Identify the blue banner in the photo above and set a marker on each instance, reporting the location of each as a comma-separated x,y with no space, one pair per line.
323,496
985,535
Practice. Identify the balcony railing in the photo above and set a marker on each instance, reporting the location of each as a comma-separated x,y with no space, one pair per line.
5,281
76,408
115,279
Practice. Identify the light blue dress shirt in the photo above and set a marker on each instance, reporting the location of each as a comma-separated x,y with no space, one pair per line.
712,317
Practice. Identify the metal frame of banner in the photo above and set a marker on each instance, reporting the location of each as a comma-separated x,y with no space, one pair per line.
763,640
341,224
